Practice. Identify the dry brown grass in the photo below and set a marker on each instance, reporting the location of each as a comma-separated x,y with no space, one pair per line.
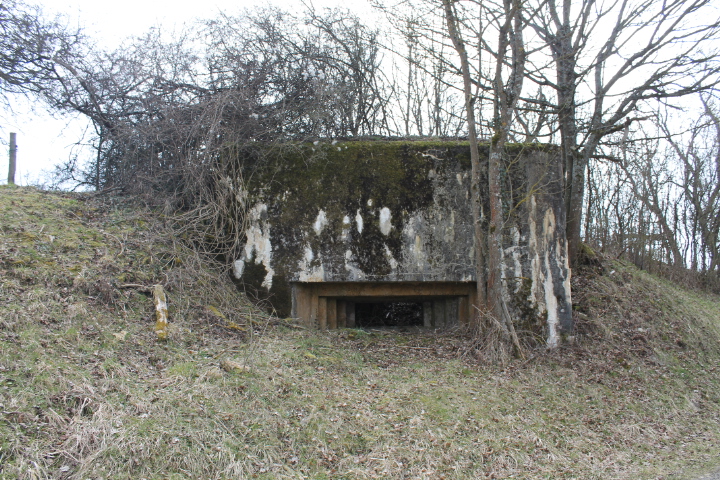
87,391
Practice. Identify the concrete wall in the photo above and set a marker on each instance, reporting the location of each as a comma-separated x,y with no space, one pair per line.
396,212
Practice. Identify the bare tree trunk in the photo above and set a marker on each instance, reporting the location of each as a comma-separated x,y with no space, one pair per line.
475,186
506,97
505,102
576,198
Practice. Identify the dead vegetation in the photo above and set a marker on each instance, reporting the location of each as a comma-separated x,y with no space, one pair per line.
88,391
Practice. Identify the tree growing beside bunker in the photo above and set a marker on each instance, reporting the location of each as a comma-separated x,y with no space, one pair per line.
491,288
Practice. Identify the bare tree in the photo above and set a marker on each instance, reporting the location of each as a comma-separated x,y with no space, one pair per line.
352,54
29,46
651,180
610,61
509,56
505,102
475,186
699,159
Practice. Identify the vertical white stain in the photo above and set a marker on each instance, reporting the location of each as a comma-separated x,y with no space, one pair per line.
354,272
542,294
551,303
414,257
385,225
515,268
534,254
391,260
516,258
306,271
238,268
320,222
258,246
359,221
418,252
345,233
450,229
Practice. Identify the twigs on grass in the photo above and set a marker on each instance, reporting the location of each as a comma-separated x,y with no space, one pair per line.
122,245
493,343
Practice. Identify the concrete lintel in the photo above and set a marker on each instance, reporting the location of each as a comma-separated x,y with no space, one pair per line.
394,289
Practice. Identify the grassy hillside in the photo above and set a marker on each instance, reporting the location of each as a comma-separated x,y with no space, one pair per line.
87,391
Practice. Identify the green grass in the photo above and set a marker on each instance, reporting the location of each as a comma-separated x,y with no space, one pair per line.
86,390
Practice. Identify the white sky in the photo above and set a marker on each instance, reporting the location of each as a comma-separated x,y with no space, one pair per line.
44,141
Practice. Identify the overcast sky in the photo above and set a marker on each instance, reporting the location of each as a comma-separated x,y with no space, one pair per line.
44,141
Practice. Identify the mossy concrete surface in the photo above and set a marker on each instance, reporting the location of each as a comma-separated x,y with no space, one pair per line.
399,211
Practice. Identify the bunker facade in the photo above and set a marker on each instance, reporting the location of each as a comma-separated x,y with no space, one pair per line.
333,226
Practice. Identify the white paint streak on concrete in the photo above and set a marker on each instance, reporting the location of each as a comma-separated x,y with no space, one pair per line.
459,179
536,274
450,229
418,253
391,260
308,273
238,268
503,276
351,268
551,306
542,294
258,246
320,222
345,233
542,239
551,303
359,222
516,258
414,257
566,267
385,224
267,261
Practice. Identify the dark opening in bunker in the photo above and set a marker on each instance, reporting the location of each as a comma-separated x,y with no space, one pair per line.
436,305
389,314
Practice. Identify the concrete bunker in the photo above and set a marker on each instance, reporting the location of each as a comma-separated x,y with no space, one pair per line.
333,225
